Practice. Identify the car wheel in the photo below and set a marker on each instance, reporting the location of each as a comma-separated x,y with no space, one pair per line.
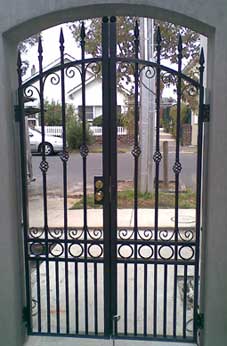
48,148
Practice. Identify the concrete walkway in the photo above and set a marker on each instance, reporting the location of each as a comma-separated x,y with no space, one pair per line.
54,341
125,217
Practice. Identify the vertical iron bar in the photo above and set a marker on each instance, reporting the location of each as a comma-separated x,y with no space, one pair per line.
106,175
95,298
64,158
44,167
23,159
145,301
136,166
84,151
165,299
198,191
38,295
157,159
57,296
177,170
125,298
76,297
113,166
185,301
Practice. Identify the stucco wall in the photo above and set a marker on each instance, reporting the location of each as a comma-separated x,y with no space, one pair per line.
20,19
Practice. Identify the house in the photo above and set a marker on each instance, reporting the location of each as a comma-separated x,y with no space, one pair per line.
94,97
73,89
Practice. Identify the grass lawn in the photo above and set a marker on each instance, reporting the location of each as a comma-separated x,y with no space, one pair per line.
187,199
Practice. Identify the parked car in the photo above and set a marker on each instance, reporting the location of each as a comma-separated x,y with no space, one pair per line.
52,144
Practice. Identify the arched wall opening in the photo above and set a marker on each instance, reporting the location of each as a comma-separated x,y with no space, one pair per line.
20,32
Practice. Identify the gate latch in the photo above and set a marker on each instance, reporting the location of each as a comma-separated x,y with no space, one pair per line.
99,190
200,320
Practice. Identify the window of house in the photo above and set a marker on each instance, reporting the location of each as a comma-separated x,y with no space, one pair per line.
88,111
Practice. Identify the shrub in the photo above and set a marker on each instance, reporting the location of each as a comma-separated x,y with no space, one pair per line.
97,121
120,120
185,117
75,133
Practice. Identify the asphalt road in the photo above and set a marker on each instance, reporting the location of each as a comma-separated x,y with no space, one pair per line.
94,168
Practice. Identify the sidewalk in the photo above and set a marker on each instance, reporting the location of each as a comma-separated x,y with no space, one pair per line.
125,217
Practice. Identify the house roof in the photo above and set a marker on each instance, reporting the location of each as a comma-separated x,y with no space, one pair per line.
56,62
92,76
89,80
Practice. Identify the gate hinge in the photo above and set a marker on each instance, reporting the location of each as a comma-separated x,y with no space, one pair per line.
17,113
206,113
200,320
25,315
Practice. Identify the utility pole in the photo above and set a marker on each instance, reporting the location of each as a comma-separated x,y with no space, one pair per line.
147,108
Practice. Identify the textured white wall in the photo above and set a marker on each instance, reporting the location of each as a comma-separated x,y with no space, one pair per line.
20,19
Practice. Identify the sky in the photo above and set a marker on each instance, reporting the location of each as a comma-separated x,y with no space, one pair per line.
51,52
50,41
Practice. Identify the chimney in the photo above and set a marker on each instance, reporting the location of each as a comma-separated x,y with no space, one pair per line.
33,70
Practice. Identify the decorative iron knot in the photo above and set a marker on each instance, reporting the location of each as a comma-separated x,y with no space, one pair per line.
84,150
64,156
157,157
177,167
44,166
136,151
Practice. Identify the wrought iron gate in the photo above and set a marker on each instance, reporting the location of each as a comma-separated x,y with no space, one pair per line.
80,278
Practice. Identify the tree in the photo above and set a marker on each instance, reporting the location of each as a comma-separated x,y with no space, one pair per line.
24,46
169,33
53,113
125,42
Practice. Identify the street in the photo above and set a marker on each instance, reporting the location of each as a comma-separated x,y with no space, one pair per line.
94,168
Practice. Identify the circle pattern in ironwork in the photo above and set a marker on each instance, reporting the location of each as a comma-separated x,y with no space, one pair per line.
37,249
76,250
186,253
84,150
166,252
145,251
157,157
56,249
125,251
136,151
95,250
177,167
44,166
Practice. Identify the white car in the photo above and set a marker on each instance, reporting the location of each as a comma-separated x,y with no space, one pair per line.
52,144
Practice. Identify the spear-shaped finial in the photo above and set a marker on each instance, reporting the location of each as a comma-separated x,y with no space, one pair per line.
82,32
158,36
202,58
40,46
136,31
180,44
61,39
